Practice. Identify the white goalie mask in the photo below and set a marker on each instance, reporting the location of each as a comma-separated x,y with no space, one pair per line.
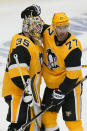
33,26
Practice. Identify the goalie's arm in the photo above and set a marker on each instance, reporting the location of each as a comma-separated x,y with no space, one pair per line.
45,26
24,59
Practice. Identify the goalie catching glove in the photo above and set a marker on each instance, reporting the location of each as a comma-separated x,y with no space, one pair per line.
28,96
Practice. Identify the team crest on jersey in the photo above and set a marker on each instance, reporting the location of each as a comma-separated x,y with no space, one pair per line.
52,59
68,113
41,59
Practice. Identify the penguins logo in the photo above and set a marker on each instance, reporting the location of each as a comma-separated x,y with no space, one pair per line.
52,59
68,113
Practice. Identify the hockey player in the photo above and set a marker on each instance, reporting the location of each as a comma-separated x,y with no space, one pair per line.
61,71
62,65
24,65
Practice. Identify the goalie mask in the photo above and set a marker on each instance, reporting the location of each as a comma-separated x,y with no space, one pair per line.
33,26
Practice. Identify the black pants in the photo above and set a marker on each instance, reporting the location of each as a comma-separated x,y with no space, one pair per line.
71,102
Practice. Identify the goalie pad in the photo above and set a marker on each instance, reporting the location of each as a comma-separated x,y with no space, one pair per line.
36,96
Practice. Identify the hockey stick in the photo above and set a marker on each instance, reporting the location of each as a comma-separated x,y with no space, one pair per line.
48,107
17,62
36,106
27,124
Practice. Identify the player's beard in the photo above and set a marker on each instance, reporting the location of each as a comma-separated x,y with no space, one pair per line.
61,36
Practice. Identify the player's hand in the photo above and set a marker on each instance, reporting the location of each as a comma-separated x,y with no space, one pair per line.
57,97
28,96
35,10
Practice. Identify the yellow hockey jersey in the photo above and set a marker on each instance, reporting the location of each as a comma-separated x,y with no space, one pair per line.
30,57
62,63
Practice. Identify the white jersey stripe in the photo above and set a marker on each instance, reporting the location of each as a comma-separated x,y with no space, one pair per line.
52,129
75,104
73,68
18,110
16,65
12,108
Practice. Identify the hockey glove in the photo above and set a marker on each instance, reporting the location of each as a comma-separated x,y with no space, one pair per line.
28,96
35,10
57,97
